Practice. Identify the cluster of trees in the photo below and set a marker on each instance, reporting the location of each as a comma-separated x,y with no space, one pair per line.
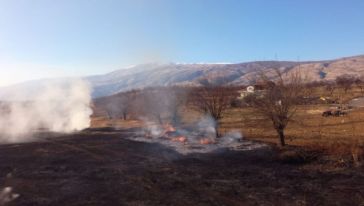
118,106
158,103
346,82
166,104
213,99
282,94
285,93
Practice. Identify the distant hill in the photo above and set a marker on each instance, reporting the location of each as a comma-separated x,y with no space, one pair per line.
146,75
176,74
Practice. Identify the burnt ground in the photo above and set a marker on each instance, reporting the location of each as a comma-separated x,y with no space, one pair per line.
102,168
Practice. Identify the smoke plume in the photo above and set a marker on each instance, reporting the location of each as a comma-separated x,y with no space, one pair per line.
58,106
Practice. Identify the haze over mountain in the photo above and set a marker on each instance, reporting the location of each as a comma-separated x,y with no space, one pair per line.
157,74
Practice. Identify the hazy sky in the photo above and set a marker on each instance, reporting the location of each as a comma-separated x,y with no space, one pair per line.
51,38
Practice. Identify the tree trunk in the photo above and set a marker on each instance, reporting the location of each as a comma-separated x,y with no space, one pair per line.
159,119
281,137
218,135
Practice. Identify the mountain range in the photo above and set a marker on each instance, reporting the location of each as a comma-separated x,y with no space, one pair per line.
157,74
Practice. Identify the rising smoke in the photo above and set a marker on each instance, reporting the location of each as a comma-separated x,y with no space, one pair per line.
58,106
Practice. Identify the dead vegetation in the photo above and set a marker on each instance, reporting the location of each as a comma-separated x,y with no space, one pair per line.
321,163
279,101
212,100
299,103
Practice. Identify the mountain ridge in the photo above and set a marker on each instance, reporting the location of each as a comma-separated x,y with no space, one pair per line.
158,74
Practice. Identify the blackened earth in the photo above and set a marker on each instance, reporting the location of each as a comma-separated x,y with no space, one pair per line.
105,168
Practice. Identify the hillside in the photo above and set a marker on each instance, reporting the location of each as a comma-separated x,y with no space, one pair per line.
146,75
176,74
237,74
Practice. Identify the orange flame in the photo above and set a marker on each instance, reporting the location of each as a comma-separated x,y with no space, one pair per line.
179,139
169,128
207,141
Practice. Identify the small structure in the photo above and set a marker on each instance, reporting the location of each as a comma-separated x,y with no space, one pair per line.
248,91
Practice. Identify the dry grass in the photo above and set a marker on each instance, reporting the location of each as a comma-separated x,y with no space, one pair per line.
101,122
308,125
340,136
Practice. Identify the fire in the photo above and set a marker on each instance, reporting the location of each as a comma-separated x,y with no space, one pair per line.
179,139
169,128
169,132
207,141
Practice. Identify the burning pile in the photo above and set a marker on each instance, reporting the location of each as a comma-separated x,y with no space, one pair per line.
200,139
166,131
169,132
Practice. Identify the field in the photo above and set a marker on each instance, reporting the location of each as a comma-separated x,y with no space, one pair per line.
308,126
340,137
101,167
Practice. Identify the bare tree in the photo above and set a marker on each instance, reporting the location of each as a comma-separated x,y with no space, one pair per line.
177,102
359,83
213,100
154,104
164,103
345,81
120,105
330,88
279,101
127,103
137,108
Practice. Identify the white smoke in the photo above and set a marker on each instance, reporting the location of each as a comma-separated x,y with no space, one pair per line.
207,125
58,106
231,137
152,129
7,195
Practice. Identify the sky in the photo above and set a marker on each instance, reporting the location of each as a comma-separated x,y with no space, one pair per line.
58,38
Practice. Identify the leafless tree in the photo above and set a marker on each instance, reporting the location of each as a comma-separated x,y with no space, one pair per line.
154,104
279,101
345,81
178,100
330,88
213,100
120,105
164,103
360,84
138,105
